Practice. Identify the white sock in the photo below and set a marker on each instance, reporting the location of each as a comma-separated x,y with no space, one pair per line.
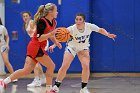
7,80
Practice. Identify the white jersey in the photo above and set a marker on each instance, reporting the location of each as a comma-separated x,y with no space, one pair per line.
3,33
81,39
29,30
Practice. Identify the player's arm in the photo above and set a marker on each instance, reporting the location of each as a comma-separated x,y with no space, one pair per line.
41,26
104,32
101,31
56,43
45,36
32,25
6,37
51,48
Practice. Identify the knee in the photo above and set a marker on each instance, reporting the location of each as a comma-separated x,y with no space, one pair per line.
51,67
37,67
64,68
26,71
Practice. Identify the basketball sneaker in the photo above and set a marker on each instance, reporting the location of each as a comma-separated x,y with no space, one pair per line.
2,86
54,89
42,80
84,90
35,83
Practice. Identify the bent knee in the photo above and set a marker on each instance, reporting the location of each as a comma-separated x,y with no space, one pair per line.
52,66
64,68
26,71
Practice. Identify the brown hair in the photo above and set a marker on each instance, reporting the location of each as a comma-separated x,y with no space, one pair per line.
43,10
25,12
82,15
22,16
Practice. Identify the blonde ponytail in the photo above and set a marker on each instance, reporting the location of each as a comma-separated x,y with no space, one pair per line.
39,13
43,10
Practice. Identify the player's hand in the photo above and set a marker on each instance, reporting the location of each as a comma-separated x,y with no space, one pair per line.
113,36
59,45
51,48
57,30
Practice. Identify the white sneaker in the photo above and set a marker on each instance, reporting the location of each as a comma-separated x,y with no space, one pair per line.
84,90
2,86
35,83
35,89
54,89
31,89
43,81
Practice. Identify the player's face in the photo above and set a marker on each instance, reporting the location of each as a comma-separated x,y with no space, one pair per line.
26,17
54,13
79,20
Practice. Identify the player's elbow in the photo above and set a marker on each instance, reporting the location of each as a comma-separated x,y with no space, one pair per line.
101,30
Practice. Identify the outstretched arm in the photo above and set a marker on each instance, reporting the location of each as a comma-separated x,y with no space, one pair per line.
104,32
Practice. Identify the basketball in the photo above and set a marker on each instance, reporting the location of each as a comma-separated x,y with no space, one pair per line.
63,34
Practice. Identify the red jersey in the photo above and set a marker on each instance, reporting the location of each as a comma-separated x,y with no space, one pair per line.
35,47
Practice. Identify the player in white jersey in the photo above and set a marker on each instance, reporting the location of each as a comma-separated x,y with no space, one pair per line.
4,47
30,27
79,44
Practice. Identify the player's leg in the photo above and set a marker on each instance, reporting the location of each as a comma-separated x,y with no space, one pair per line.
38,71
85,62
68,58
5,57
46,61
28,67
39,77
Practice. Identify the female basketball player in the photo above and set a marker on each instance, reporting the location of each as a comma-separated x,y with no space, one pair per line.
4,47
35,50
30,28
79,44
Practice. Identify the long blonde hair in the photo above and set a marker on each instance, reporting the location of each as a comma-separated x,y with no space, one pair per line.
43,10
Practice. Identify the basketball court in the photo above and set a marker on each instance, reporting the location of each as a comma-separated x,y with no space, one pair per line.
114,62
72,85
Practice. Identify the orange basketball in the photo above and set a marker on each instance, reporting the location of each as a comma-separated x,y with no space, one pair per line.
63,35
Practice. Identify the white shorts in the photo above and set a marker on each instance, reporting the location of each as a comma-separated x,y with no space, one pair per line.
75,50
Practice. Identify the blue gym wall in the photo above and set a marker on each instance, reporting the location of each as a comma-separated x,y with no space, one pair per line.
116,16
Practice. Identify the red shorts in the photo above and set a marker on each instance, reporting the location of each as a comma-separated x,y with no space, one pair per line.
35,50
